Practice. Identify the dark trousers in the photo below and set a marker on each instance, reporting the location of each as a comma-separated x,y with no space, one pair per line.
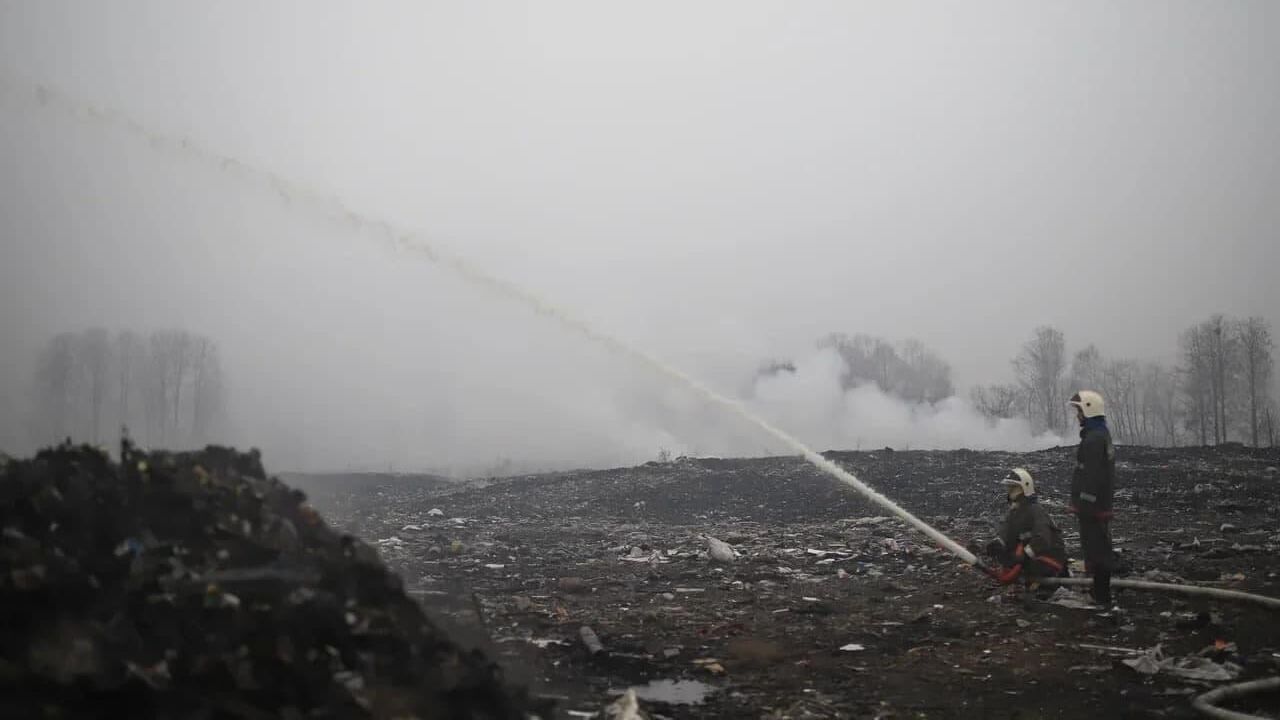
1095,541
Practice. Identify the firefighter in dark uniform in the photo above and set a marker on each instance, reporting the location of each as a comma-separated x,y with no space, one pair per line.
1030,543
1092,485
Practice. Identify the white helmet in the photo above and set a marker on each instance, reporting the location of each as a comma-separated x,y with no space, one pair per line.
1089,402
1020,479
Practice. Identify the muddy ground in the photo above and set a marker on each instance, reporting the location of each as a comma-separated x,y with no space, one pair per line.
831,610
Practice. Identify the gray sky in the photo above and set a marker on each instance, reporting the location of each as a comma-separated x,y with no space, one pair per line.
717,182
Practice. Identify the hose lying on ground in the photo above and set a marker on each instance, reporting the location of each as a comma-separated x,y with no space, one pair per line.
1197,590
1207,703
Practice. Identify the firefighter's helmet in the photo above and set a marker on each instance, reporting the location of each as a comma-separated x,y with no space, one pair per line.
1089,402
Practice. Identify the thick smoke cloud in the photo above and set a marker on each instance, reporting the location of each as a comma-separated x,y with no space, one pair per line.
812,403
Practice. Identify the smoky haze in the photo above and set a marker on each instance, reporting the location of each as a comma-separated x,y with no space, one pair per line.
721,184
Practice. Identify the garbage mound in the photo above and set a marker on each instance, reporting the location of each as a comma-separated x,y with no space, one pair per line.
192,585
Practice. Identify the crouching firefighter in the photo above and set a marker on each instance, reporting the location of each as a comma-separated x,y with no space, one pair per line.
1030,543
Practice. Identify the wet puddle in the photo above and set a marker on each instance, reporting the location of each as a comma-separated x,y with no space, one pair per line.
674,692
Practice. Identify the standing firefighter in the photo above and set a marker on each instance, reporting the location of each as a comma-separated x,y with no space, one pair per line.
1091,488
1030,544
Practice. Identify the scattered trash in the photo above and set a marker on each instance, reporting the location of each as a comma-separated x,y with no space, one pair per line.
720,551
435,512
1154,661
711,665
1065,597
852,647
589,638
626,707
648,583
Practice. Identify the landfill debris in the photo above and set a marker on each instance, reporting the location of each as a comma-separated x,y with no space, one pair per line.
648,579
626,707
226,596
1196,668
435,512
711,665
720,551
591,640
1065,597
852,647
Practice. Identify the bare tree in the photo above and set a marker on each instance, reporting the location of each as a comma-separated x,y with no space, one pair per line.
1087,369
1119,387
55,388
1197,381
170,359
1039,367
130,361
1254,340
1221,356
912,372
927,375
206,390
1159,405
1269,422
997,402
94,357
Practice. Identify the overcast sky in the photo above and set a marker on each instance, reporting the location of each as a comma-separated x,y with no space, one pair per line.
716,182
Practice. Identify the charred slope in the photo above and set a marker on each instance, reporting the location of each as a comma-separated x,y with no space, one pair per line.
193,585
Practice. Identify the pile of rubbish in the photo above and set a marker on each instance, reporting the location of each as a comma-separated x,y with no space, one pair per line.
192,585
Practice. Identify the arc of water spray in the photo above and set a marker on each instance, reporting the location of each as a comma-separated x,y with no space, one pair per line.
335,209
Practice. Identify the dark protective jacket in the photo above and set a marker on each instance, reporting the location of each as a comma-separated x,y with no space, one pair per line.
1093,482
1029,525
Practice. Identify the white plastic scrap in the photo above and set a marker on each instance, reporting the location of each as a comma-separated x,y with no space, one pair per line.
1154,661
720,551
853,647
435,512
626,707
1068,599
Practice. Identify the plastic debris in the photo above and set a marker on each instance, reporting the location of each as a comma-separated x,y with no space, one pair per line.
626,707
591,640
1154,661
720,551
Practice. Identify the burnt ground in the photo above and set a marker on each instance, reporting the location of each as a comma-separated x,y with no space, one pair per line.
519,565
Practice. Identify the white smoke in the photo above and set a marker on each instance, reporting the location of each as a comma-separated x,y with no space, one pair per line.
811,404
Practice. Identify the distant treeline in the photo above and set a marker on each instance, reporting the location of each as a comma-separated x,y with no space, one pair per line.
1220,391
907,370
166,387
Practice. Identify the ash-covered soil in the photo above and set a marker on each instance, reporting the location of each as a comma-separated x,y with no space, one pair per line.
831,609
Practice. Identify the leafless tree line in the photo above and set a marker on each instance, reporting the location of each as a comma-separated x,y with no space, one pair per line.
165,387
1220,391
908,370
